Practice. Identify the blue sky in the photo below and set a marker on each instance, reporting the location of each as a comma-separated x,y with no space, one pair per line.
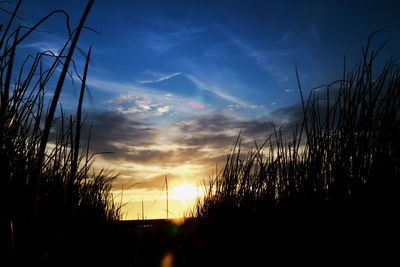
173,82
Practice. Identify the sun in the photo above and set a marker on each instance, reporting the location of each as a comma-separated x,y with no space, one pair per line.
185,192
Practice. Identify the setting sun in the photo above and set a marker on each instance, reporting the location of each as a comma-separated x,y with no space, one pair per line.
185,192
199,133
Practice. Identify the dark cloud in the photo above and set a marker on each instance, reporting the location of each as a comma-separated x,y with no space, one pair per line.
292,117
215,130
172,157
206,139
292,113
215,122
129,139
134,141
112,128
148,155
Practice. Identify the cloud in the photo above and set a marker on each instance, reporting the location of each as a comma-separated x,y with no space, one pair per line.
165,157
140,107
163,35
155,182
215,122
142,144
162,110
114,132
285,36
291,117
120,131
114,87
219,131
146,146
266,58
142,102
221,123
131,104
217,91
136,142
44,46
160,79
189,149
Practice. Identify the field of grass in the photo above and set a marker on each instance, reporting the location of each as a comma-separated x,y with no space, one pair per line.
328,190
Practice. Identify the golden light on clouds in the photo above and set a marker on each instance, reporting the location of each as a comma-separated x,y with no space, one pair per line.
188,152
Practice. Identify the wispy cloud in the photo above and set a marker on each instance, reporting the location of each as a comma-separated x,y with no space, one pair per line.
143,102
160,79
266,58
163,35
285,36
211,87
44,46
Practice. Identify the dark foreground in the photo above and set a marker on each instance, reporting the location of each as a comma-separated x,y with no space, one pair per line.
229,241
304,235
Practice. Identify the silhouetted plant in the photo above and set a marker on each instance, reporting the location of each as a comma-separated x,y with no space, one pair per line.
48,186
336,179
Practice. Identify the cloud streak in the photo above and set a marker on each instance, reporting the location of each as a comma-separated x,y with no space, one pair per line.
44,46
265,58
163,78
164,35
217,91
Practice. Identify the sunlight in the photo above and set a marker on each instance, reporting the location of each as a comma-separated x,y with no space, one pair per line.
185,192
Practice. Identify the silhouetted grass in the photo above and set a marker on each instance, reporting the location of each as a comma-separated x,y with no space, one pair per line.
328,192
53,205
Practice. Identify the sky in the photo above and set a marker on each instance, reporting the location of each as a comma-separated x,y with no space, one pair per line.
172,83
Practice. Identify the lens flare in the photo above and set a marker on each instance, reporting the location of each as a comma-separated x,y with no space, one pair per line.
167,260
196,104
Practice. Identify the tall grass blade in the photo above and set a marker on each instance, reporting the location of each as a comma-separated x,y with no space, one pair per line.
53,105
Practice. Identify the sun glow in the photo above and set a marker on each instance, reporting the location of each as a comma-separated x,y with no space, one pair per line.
185,192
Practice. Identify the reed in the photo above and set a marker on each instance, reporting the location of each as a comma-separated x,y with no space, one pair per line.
48,188
334,183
